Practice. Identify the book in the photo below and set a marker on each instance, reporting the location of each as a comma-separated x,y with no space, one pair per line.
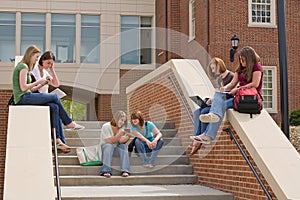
59,93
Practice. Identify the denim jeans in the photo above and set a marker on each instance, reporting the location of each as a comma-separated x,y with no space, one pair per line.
108,151
219,105
58,114
200,127
143,150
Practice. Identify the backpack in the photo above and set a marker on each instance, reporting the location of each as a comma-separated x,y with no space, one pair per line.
248,100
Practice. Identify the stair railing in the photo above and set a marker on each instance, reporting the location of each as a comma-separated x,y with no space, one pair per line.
228,130
58,189
181,98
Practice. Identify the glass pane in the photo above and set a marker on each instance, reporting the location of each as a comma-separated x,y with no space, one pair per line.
129,46
90,45
63,44
146,22
145,57
7,18
62,19
129,21
32,35
7,43
63,37
90,20
33,19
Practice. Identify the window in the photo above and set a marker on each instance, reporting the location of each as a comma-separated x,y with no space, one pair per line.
33,30
63,37
7,37
269,89
136,40
90,39
192,20
262,13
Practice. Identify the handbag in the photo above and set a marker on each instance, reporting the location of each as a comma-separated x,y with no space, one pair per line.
89,156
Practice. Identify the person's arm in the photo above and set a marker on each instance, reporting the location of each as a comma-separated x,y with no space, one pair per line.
24,86
124,139
135,133
53,80
230,86
255,80
115,138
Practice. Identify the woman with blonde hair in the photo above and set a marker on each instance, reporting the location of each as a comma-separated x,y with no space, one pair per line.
217,71
113,142
22,87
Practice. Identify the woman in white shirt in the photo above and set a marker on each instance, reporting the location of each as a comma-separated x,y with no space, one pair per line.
113,142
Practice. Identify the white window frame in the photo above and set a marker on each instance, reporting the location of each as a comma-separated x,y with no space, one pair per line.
192,20
273,70
272,24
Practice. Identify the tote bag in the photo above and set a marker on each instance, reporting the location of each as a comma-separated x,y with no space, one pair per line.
89,156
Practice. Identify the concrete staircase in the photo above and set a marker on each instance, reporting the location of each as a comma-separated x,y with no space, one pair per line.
172,177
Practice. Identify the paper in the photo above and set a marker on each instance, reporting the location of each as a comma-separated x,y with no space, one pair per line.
59,93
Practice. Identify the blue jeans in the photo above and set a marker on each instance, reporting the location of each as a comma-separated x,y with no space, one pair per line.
143,149
108,151
219,105
58,114
200,127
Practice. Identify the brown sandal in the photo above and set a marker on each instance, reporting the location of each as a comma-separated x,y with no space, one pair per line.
195,147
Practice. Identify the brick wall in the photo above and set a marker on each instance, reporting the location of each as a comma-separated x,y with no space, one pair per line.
219,165
218,21
5,96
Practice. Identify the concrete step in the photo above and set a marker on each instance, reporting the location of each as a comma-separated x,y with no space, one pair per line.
166,150
77,142
144,192
98,124
70,170
95,133
134,160
90,180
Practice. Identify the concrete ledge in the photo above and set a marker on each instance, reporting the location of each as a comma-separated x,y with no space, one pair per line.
272,152
28,166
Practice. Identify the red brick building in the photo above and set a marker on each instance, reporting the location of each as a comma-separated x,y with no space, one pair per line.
212,24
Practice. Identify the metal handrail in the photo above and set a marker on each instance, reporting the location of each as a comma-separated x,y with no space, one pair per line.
228,130
58,190
181,98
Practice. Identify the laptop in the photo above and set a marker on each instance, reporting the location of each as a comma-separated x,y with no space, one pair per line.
199,101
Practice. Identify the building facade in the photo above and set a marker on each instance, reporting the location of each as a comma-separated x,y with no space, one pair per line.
211,25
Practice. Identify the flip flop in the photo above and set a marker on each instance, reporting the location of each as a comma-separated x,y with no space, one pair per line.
63,147
77,127
199,139
106,175
195,147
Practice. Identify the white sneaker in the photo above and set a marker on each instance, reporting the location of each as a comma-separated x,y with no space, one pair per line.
210,117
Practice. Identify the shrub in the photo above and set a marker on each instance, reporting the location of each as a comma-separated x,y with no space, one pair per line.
295,118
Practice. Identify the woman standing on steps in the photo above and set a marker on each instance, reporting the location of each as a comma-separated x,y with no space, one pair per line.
148,139
113,142
22,87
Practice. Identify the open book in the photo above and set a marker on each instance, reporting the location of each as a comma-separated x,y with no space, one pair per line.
59,93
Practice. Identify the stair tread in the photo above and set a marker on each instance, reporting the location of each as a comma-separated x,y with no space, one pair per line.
157,191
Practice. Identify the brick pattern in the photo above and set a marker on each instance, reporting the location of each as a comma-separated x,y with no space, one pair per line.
5,96
219,165
218,21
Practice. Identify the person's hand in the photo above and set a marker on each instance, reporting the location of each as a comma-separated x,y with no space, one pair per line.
209,101
153,144
122,133
233,91
49,78
222,89
42,81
